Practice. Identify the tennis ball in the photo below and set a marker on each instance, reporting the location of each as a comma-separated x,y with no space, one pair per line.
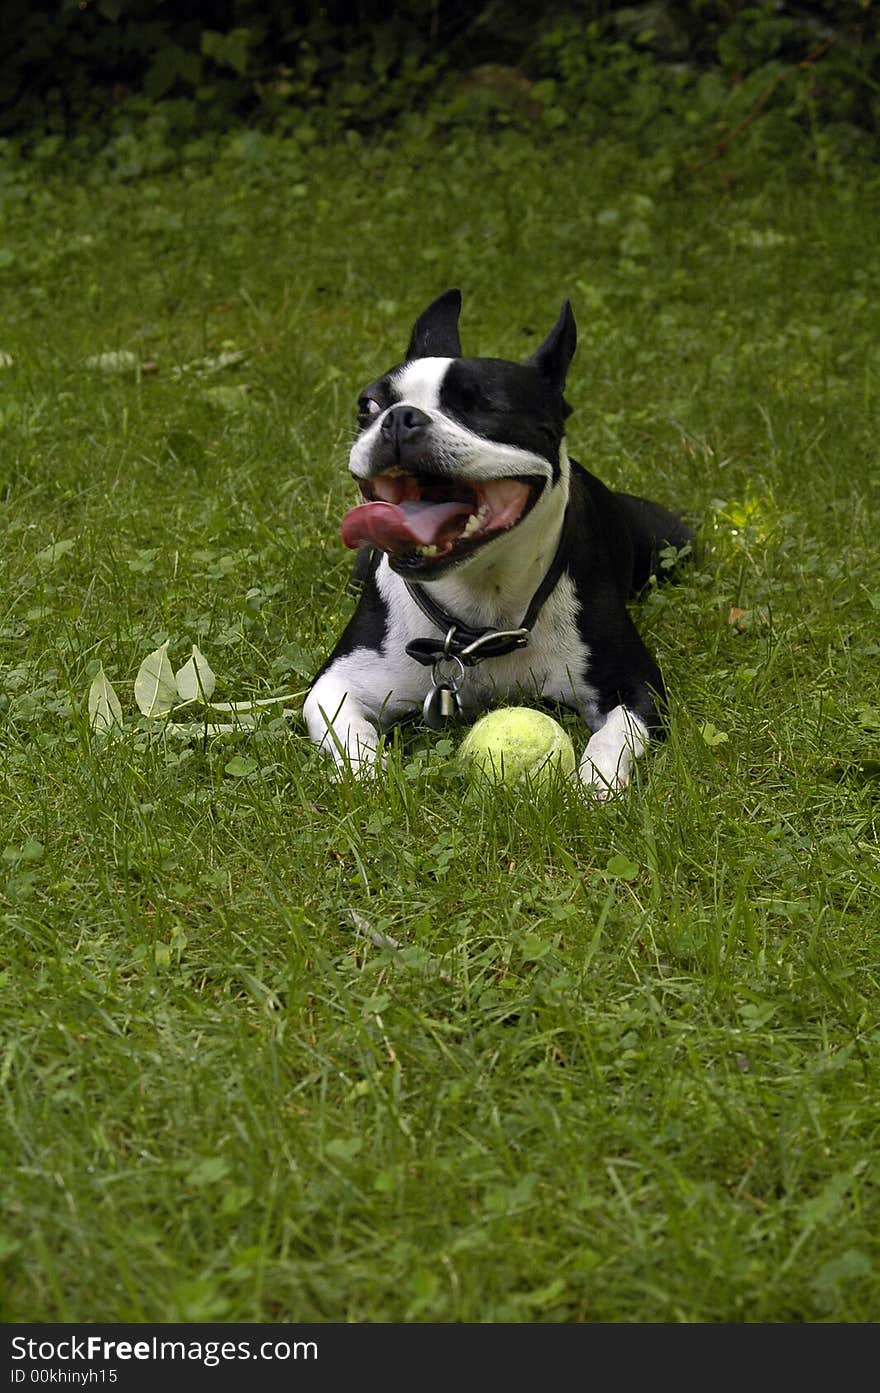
516,742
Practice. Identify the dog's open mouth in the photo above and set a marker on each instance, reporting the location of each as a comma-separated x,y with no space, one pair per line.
425,520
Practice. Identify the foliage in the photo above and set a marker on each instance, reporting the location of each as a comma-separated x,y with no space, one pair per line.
316,70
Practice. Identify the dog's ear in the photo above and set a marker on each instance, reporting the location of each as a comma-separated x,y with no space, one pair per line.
435,332
553,356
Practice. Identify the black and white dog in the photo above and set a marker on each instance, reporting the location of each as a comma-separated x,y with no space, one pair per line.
495,569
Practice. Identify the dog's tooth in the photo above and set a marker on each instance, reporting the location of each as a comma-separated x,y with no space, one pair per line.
428,551
473,524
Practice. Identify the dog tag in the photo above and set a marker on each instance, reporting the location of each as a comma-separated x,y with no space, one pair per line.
442,704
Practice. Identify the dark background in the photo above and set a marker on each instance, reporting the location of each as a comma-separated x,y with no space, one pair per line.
64,63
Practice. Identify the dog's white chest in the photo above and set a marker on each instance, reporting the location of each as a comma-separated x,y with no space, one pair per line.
551,667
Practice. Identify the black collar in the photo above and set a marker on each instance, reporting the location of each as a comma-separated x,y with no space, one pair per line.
471,645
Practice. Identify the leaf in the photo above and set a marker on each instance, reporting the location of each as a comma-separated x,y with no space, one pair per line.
239,767
713,736
424,1286
757,1013
343,1148
850,1264
548,1295
113,362
868,717
144,562
208,1172
230,50
155,690
163,71
235,1198
105,712
386,1182
49,555
828,1201
198,1300
533,949
203,367
585,1259
621,868
228,398
30,851
195,681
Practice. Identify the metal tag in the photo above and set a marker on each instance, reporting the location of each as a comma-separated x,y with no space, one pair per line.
442,705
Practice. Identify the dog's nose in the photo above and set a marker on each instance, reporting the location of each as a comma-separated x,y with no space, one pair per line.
403,424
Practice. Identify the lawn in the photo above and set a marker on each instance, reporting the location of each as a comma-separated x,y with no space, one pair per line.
623,1066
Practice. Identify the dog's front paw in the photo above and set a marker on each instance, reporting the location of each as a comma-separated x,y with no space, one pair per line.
599,781
347,736
607,762
365,762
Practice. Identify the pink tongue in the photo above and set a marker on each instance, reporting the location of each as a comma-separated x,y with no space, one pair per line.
397,527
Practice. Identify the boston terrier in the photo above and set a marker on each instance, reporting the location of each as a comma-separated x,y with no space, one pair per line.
494,569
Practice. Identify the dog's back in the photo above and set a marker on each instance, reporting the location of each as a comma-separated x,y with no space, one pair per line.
634,532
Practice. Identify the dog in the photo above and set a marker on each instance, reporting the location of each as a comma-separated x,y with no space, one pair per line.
493,568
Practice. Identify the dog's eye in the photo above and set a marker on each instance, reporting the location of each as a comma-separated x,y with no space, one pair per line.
368,407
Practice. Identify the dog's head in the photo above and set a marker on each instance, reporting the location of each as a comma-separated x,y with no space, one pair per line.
452,453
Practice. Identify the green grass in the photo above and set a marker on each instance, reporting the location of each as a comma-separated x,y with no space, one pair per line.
624,1067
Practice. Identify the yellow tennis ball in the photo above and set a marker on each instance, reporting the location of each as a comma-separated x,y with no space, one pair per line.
515,743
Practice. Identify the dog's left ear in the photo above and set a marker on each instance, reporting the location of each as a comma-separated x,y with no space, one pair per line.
553,356
435,332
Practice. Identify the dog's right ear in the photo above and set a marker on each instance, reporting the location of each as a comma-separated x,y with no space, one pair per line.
435,332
